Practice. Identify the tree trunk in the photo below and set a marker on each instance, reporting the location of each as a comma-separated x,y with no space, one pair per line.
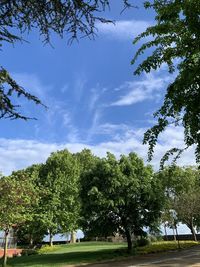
5,248
165,229
177,236
50,239
174,232
129,241
73,237
193,232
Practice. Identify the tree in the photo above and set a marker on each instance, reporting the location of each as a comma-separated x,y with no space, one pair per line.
175,41
34,230
182,188
60,180
74,18
119,196
187,205
15,199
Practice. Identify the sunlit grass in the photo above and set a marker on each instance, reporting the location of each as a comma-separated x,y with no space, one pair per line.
89,252
165,246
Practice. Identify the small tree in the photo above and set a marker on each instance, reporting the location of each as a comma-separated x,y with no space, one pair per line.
182,189
15,199
187,205
34,230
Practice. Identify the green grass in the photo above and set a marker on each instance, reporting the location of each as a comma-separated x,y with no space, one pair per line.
63,255
88,252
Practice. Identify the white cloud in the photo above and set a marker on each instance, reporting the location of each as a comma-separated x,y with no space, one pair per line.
95,94
149,88
123,29
18,154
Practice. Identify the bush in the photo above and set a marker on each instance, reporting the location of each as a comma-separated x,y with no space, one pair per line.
28,252
47,248
154,238
143,242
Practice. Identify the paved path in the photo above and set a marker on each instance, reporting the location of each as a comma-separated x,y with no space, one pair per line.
187,257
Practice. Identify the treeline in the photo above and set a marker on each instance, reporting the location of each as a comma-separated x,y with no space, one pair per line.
101,196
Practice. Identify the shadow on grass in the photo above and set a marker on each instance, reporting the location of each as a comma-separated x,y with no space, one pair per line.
65,259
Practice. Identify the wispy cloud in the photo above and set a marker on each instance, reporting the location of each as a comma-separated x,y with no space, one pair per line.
123,29
79,86
95,94
32,84
148,88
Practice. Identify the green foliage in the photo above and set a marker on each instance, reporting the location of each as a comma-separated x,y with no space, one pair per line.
15,201
8,89
119,196
28,252
175,41
62,17
182,189
48,249
165,246
59,178
33,231
155,238
16,197
141,242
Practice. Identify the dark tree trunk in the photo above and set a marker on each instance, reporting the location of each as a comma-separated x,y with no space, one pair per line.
5,248
173,229
165,229
129,241
177,236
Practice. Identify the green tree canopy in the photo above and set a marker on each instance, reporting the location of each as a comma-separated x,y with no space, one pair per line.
175,41
16,197
119,196
59,178
33,231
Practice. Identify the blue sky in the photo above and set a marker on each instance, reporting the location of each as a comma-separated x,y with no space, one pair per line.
93,98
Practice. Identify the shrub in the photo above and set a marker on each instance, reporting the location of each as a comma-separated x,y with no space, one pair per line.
143,242
28,252
47,248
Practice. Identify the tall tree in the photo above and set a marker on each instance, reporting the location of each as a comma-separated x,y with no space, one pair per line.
174,40
71,18
60,179
119,197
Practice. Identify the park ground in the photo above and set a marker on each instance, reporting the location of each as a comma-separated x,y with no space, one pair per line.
102,254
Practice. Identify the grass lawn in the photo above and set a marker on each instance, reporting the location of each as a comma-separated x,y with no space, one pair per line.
87,252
